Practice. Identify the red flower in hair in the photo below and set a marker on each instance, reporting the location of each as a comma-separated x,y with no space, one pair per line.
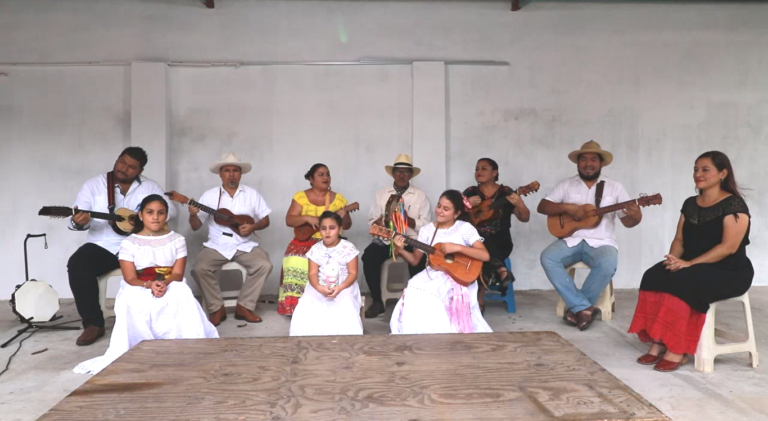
467,205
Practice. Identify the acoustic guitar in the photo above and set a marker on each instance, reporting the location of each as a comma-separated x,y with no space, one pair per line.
306,231
485,210
564,225
463,269
221,216
121,221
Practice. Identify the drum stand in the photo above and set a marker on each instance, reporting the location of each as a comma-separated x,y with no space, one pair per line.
29,324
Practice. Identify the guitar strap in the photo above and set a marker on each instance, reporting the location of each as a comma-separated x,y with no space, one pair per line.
111,192
599,193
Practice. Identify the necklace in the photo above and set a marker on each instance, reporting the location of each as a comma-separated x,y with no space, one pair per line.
151,234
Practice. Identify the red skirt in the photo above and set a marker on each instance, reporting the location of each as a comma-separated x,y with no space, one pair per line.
662,317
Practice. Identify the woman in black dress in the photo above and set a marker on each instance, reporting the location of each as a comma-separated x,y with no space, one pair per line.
707,262
495,231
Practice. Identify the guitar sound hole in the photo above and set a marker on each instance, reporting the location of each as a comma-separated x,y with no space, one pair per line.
448,258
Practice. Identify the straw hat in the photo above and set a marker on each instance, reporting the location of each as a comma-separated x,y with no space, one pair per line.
230,158
591,147
403,161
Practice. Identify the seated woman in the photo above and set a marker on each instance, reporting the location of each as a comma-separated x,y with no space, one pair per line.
707,262
433,302
331,301
154,301
495,231
306,207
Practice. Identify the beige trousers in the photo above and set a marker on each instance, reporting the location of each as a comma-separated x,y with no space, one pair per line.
256,263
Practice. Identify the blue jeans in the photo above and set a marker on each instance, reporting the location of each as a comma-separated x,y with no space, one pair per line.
601,261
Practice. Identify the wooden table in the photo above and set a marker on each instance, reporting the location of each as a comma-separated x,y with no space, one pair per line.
498,376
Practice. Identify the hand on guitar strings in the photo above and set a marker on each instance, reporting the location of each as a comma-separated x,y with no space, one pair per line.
246,229
515,200
673,264
577,212
474,200
448,248
312,220
341,212
81,219
633,211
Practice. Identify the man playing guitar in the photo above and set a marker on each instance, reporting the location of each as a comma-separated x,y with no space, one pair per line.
417,214
225,244
99,254
596,247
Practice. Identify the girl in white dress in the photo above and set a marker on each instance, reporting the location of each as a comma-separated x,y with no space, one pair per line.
331,301
154,301
433,302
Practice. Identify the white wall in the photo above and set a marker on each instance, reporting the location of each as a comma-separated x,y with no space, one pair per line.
656,84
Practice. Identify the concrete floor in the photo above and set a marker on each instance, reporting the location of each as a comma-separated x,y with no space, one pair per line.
733,392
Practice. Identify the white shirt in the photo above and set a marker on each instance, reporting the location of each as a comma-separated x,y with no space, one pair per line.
246,201
93,196
332,262
573,190
416,206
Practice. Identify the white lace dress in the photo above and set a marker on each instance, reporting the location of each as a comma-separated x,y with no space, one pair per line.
317,315
141,316
428,304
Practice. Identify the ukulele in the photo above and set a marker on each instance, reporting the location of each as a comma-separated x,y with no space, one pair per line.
221,216
306,231
564,225
484,211
121,220
463,269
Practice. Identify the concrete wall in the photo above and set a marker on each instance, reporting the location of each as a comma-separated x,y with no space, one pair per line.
656,84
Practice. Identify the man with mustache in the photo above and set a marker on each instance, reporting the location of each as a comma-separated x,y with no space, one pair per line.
596,247
225,244
99,254
417,214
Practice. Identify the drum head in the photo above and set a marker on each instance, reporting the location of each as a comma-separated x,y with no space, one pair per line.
36,300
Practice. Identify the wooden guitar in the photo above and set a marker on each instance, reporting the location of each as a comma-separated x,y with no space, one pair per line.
306,231
564,225
121,220
484,211
463,269
221,216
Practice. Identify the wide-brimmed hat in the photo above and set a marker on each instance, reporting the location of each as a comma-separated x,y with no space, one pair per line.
230,158
403,161
591,147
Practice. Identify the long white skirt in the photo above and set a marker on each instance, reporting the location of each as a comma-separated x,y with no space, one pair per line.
316,315
140,316
423,306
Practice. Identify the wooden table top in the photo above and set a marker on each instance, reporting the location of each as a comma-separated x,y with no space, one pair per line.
495,376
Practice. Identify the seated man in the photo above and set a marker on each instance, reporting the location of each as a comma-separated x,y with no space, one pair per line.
596,247
416,203
225,245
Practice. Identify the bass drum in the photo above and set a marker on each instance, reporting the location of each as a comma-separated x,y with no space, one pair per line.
35,301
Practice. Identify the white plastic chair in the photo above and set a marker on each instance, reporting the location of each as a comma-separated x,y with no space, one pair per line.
708,348
392,286
606,303
103,280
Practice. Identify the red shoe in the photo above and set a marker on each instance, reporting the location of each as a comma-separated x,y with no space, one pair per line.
666,366
649,359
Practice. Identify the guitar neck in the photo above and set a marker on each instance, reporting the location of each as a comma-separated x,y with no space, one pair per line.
426,248
209,210
614,208
102,215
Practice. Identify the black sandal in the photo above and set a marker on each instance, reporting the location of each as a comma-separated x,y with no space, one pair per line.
571,321
584,324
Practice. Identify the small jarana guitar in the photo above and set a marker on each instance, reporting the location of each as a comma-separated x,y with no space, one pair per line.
564,225
306,231
221,216
121,220
484,211
463,269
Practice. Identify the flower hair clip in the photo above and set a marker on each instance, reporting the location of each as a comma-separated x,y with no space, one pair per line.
467,205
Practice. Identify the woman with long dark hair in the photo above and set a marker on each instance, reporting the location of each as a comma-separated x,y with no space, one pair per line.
154,300
495,230
707,262
433,302
306,208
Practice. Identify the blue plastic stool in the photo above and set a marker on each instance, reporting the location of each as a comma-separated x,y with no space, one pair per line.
510,297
